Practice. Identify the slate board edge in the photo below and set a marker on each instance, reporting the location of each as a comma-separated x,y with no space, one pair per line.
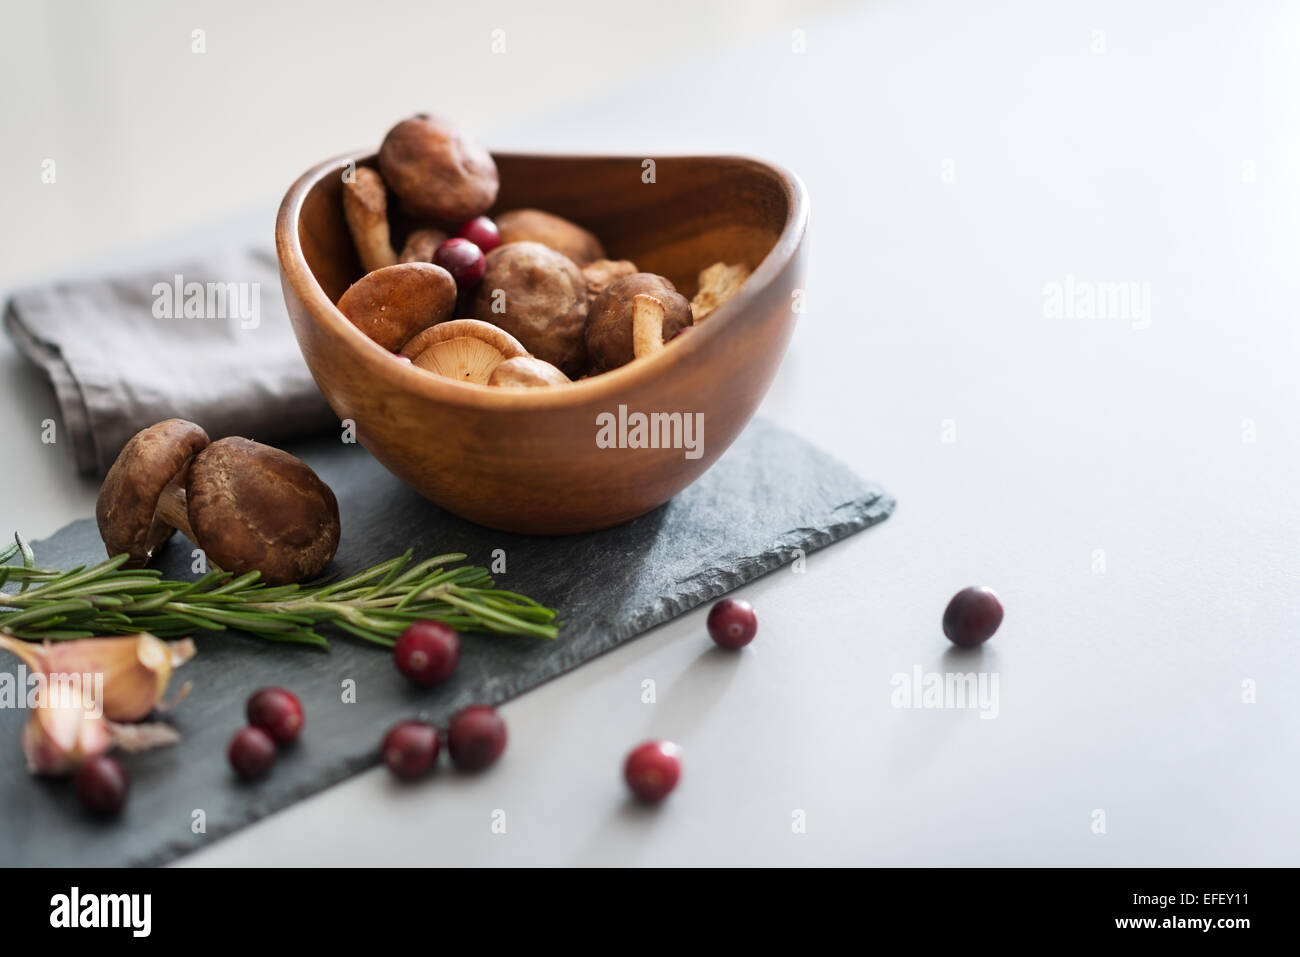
869,511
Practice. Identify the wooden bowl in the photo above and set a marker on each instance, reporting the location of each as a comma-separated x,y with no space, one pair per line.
528,460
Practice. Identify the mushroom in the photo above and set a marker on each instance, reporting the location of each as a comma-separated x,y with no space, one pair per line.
609,331
421,245
142,500
718,283
437,171
647,326
252,507
392,304
538,296
365,207
602,272
535,226
526,372
248,506
463,349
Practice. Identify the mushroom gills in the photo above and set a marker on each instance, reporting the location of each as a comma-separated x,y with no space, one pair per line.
463,349
464,358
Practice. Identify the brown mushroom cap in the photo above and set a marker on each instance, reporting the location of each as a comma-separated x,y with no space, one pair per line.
526,372
542,299
464,349
127,507
535,226
392,304
256,508
436,170
609,325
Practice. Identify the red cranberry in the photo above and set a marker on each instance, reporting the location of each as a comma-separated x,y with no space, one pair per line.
427,652
463,260
972,617
476,738
652,770
252,752
482,232
102,786
277,712
732,623
410,749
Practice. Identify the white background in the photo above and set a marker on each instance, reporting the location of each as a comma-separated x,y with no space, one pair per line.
960,157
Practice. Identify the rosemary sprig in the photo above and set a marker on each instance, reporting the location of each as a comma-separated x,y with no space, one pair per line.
375,604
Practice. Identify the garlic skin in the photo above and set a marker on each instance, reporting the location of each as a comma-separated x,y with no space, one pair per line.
60,740
136,668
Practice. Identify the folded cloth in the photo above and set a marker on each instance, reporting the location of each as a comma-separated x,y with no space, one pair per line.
207,340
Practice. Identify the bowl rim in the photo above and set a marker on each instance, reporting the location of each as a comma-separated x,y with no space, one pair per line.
610,385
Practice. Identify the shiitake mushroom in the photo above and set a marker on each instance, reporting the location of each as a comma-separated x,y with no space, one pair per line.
539,296
548,284
526,372
142,500
249,506
252,507
535,226
463,349
437,171
608,334
392,304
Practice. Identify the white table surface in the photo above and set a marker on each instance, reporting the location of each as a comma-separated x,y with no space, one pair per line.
959,158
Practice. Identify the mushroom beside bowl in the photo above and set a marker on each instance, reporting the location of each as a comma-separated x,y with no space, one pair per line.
533,461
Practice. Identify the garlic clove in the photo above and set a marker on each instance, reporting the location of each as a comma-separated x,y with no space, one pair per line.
57,740
135,686
136,669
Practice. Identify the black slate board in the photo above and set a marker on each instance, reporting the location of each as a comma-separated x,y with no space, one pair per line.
770,495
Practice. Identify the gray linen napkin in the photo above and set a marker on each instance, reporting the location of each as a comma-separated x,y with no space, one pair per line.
207,340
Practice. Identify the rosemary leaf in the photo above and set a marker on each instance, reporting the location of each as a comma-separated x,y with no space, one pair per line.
375,604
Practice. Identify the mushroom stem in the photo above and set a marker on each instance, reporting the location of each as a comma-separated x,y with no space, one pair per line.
173,508
365,207
647,326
